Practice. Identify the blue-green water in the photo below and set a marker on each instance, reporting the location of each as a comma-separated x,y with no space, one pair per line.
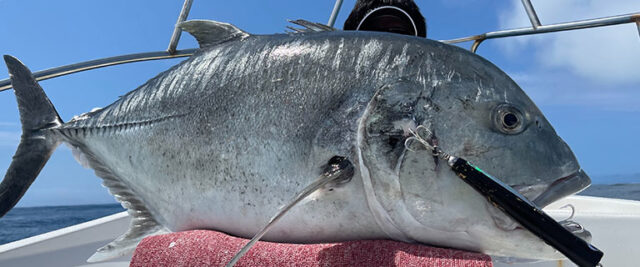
21,223
623,191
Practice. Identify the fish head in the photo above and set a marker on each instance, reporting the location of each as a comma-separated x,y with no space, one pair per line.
471,109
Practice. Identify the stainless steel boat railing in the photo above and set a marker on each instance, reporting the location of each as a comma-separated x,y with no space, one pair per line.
567,26
171,52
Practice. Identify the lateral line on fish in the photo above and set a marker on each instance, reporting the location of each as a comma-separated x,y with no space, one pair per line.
116,126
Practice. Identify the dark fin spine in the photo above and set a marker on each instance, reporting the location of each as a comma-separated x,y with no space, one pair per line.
37,115
310,26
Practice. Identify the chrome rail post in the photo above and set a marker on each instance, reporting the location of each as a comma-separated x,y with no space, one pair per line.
171,52
100,63
130,58
334,13
567,26
533,17
175,37
476,43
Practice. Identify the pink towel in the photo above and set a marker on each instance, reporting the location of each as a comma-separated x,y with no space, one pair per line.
210,248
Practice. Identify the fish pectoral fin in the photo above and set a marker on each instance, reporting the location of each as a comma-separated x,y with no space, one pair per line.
209,33
338,170
310,26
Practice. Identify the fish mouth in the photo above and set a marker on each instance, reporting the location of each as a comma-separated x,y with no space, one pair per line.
562,187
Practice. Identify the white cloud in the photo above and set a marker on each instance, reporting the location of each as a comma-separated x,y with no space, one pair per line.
605,55
561,88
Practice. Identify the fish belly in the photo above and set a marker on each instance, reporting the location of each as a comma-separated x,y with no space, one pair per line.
192,175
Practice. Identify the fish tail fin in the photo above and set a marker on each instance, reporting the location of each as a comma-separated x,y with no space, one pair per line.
37,143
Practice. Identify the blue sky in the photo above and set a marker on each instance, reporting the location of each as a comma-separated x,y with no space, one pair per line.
586,82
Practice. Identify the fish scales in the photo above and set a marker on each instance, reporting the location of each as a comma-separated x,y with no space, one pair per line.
225,138
218,127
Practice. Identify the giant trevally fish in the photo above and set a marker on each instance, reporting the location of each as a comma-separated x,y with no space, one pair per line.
225,138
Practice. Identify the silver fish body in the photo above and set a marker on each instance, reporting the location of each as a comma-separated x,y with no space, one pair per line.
225,138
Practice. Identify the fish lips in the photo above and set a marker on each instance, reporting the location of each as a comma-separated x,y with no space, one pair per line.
560,188
563,187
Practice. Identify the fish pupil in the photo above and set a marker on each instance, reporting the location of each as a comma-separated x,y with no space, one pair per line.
510,121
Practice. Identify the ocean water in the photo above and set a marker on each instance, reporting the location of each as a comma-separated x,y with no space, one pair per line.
21,223
623,191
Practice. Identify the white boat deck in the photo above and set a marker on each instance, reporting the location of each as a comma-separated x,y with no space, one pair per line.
70,246
612,222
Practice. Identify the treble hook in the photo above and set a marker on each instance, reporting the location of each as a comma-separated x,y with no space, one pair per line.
573,211
417,136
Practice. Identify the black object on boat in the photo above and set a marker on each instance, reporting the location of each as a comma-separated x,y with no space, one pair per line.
527,214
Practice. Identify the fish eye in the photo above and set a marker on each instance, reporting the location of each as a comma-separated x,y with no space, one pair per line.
508,119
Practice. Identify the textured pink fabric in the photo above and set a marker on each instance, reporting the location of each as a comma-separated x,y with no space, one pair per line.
210,248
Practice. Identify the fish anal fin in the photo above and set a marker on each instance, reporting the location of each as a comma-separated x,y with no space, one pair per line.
209,32
142,224
126,243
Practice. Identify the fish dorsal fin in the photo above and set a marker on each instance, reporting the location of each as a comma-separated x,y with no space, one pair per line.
209,32
309,26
